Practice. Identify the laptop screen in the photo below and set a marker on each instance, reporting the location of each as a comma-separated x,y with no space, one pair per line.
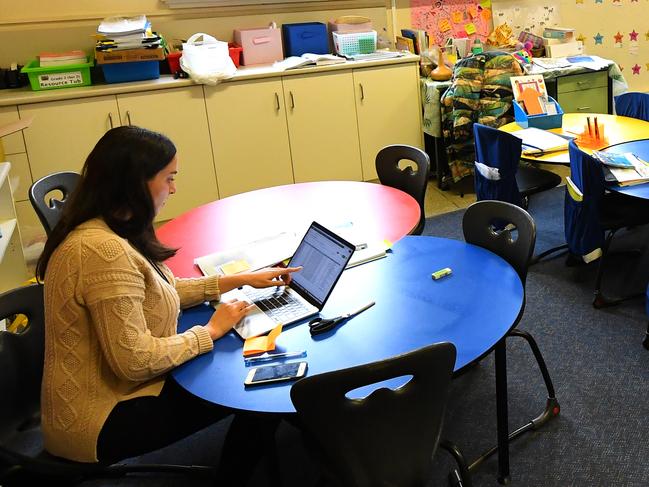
323,256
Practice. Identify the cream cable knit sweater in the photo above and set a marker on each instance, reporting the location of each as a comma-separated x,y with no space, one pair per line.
110,334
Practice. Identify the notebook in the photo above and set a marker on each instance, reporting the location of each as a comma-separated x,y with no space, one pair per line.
323,256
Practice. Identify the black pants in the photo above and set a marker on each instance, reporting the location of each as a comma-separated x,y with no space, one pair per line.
144,424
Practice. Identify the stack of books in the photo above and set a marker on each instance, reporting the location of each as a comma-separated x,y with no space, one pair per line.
121,33
561,42
624,169
50,59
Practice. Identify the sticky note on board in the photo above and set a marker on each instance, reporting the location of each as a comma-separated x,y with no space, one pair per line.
234,267
485,3
444,25
485,14
261,344
472,10
470,28
457,16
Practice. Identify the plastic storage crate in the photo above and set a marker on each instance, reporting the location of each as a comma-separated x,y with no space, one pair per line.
53,77
354,43
542,121
134,71
305,37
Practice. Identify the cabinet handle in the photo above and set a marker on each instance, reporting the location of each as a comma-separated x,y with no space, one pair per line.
128,117
581,109
276,101
360,85
583,83
290,93
110,119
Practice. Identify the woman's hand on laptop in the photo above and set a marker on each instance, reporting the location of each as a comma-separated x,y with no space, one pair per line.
271,276
227,315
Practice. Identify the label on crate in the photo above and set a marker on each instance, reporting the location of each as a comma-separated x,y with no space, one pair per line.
60,79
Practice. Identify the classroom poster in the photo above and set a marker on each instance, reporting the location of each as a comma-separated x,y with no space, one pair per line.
451,18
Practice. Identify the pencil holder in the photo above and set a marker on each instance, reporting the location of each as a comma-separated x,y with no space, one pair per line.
591,139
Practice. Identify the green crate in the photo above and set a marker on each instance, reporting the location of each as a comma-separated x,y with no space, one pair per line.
54,77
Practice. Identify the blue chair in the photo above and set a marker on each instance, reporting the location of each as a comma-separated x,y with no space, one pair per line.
633,104
511,182
592,216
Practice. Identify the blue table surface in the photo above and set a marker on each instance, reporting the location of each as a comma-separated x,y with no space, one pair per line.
641,149
473,308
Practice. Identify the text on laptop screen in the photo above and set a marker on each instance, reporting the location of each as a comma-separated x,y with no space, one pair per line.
323,259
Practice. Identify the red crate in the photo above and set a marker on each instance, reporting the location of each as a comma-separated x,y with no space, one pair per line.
173,59
235,53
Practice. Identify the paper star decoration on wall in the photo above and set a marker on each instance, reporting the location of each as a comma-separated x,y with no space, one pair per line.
582,38
616,1
646,36
598,38
579,1
636,69
633,35
599,1
647,66
618,37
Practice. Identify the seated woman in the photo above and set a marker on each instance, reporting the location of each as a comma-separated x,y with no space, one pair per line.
111,311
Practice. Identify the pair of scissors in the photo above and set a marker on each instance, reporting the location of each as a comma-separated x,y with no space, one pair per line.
320,325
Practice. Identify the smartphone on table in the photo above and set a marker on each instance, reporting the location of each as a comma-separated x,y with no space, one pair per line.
275,373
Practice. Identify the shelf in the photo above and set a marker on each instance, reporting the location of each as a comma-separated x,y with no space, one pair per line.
7,228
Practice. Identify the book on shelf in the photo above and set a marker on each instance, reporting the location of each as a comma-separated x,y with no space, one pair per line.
308,59
565,33
46,59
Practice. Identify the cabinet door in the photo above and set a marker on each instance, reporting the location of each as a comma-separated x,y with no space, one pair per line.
249,135
64,132
180,115
389,111
322,126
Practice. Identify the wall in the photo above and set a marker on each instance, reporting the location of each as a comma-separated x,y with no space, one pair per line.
28,27
607,18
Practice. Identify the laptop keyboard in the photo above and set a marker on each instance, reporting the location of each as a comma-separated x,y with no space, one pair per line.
278,304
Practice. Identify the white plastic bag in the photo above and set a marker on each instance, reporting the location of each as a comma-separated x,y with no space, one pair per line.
206,60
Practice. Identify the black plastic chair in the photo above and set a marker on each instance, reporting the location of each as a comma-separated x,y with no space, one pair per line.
411,181
49,212
21,363
479,225
390,436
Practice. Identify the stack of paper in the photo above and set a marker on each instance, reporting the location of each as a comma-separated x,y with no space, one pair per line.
636,173
115,33
537,142
61,58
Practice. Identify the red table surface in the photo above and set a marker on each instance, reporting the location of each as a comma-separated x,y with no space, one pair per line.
377,212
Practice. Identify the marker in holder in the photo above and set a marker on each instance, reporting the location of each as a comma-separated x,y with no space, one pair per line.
441,273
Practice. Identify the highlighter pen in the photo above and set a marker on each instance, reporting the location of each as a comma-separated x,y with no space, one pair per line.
441,273
590,132
596,129
274,356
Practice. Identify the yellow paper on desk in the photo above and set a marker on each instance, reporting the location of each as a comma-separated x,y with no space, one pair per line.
234,267
261,344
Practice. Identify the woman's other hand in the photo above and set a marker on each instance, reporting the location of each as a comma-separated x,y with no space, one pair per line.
226,316
272,276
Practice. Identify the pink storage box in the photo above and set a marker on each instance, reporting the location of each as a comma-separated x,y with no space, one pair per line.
260,46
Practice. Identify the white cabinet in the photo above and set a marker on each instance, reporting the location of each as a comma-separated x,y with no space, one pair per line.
180,115
249,135
13,271
322,126
388,110
64,132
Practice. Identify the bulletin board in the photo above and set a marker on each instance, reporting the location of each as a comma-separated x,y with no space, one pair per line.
451,18
528,16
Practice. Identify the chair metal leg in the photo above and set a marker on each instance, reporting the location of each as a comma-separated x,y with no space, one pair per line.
461,478
537,258
551,410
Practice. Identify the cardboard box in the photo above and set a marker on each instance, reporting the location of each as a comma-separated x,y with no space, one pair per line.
129,55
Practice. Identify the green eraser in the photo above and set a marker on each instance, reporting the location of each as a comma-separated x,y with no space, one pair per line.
441,273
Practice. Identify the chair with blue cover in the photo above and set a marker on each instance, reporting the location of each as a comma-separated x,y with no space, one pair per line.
22,459
409,180
388,437
49,211
592,216
498,175
490,224
633,104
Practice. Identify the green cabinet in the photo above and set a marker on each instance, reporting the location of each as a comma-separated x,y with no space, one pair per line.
582,93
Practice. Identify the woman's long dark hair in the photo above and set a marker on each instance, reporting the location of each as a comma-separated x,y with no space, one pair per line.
113,186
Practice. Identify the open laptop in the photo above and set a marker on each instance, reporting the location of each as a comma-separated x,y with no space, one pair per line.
323,256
